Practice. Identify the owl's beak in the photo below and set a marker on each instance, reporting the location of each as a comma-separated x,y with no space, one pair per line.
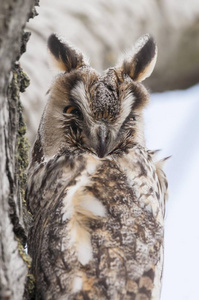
102,141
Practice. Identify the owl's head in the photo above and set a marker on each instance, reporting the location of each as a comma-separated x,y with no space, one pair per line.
100,114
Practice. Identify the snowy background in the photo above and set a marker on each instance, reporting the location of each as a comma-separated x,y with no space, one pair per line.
172,124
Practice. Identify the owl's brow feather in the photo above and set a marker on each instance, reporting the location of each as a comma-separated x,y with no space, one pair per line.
80,98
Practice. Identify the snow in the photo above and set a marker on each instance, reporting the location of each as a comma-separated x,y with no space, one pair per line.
172,124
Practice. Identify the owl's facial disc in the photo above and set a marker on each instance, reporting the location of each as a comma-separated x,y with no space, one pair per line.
89,112
99,107
107,122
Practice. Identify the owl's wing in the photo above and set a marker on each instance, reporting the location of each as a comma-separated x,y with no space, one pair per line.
39,187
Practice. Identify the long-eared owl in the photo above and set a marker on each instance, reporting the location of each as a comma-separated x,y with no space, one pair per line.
97,195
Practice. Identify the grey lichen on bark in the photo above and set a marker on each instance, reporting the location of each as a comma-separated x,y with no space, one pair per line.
13,148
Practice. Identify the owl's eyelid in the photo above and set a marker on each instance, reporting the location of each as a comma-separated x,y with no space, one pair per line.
70,108
131,116
134,117
128,118
66,108
74,102
74,115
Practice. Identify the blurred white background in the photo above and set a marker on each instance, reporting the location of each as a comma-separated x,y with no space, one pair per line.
103,29
172,124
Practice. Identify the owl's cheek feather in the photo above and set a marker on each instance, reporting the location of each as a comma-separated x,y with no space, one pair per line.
77,283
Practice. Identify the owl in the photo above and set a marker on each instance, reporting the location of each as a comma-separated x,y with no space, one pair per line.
96,194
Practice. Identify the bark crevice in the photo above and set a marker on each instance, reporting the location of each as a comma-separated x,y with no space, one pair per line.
14,262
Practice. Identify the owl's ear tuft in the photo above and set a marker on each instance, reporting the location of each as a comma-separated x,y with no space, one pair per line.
65,57
140,64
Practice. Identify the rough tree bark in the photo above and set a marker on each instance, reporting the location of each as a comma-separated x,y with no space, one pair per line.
13,147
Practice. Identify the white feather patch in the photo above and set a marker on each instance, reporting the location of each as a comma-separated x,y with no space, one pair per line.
79,93
79,206
92,205
92,162
126,107
77,284
68,200
82,243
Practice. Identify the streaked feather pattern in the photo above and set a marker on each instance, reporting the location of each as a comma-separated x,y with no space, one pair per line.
97,195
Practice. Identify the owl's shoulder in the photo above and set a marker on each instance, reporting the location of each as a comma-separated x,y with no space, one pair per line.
144,173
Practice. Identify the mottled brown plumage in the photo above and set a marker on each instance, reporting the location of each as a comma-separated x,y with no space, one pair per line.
97,195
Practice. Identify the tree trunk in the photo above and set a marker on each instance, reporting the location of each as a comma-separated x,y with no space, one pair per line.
13,147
